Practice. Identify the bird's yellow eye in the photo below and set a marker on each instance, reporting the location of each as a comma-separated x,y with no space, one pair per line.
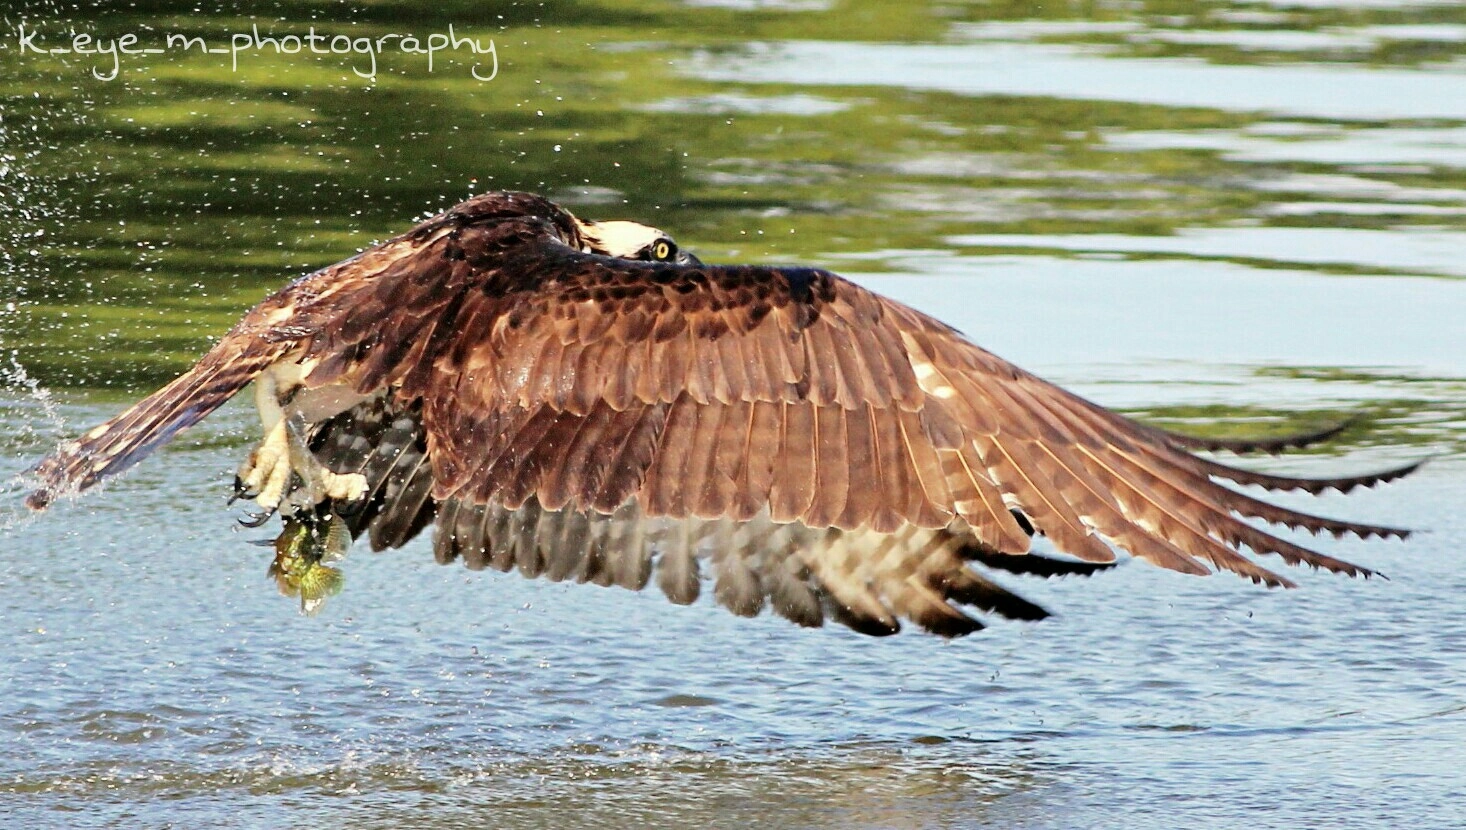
662,250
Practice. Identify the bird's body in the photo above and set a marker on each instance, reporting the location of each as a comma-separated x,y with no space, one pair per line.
580,401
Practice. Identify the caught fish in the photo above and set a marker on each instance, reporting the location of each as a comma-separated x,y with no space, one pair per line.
303,551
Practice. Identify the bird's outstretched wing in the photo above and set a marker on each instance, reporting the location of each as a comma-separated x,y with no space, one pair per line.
811,446
778,424
360,316
114,446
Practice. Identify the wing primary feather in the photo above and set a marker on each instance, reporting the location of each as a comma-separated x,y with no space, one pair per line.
631,552
864,488
1314,486
1040,498
565,547
473,545
977,500
597,568
1272,446
526,526
1163,465
534,460
487,476
500,538
753,482
1154,527
1163,534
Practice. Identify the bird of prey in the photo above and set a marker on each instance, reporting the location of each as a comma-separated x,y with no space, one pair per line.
583,400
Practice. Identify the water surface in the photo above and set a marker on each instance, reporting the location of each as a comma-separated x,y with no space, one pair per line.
1218,216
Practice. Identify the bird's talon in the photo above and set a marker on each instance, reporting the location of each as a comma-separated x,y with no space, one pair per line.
256,519
241,491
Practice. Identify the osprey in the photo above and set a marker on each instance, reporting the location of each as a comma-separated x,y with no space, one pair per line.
582,400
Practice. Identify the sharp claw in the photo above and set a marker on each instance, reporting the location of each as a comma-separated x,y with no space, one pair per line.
241,491
256,519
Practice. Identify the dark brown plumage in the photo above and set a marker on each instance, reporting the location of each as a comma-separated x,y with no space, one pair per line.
790,439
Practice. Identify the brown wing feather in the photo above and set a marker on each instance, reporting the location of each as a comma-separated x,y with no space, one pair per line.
856,413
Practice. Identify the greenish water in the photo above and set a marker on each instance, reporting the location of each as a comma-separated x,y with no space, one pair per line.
1229,216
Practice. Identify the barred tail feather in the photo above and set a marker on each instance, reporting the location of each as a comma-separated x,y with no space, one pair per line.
118,444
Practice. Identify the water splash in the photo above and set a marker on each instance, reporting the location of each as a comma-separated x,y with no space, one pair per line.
33,208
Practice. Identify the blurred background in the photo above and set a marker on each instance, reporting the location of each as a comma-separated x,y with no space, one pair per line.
1228,216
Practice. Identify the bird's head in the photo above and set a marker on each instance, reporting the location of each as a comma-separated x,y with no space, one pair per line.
512,212
632,240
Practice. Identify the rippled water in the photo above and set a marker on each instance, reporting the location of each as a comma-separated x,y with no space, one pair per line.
1219,216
